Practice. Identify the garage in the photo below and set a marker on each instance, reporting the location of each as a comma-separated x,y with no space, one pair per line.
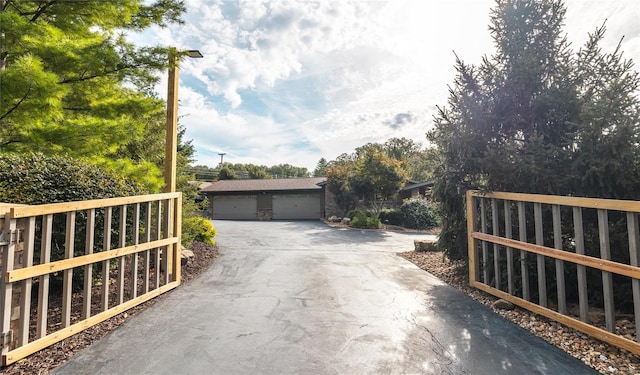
267,199
235,207
296,206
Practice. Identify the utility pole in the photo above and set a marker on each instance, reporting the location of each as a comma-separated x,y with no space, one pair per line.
222,154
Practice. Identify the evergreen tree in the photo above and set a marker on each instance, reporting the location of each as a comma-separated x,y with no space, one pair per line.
319,171
534,117
606,157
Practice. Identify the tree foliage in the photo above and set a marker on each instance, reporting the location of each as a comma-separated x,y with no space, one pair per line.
227,173
287,171
417,213
536,117
39,179
376,178
338,172
319,171
250,171
368,174
71,84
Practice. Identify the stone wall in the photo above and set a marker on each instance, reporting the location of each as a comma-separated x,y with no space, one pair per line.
331,204
265,214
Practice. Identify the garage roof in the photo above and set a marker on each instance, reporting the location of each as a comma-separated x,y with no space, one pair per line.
266,185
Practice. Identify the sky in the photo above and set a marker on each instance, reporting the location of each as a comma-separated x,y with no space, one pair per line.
295,81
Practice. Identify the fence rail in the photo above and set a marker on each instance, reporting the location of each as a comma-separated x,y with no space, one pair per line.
98,258
587,256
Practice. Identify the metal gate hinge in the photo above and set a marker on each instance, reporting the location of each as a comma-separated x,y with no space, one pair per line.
6,338
8,237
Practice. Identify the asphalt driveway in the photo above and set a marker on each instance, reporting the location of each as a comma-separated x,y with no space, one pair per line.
304,298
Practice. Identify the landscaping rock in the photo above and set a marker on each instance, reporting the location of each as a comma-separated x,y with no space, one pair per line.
502,304
186,255
425,245
346,220
335,219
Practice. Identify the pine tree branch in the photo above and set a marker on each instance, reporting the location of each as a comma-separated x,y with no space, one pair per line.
15,106
104,73
43,8
6,143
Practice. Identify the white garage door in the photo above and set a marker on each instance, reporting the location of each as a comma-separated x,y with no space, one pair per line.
296,206
235,207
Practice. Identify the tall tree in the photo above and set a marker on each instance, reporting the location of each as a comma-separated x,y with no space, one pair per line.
368,175
422,165
71,83
376,178
606,157
531,117
319,171
338,172
401,149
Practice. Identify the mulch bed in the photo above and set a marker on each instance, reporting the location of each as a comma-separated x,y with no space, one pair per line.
47,359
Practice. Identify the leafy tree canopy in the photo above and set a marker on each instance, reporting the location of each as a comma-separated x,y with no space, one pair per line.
368,174
287,171
227,173
376,177
248,171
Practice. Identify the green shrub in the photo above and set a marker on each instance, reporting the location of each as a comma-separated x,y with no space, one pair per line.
360,220
391,216
197,229
352,213
38,179
418,214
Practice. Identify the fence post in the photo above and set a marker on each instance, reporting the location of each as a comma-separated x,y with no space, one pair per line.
177,232
471,244
7,248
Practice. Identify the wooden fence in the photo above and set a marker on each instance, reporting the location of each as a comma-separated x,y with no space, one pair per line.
96,259
509,249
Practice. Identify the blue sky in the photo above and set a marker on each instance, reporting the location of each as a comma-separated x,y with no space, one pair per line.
294,81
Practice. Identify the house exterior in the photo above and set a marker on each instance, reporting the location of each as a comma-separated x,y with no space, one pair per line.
267,199
285,199
415,189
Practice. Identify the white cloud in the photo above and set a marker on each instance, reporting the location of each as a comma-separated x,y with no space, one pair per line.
293,81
